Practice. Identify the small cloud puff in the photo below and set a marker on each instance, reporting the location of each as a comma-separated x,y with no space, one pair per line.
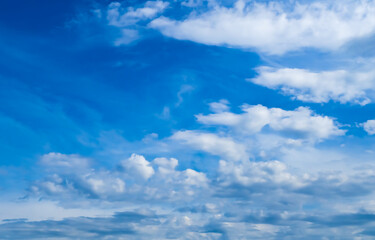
221,106
369,126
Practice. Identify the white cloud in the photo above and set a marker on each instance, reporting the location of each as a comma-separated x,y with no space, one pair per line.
340,85
127,181
299,123
103,184
221,106
130,19
220,146
92,184
138,166
120,17
272,173
59,160
189,177
72,173
195,178
369,127
165,165
274,27
273,179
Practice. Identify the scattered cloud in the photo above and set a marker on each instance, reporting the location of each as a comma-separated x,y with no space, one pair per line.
221,106
129,20
272,173
134,179
301,123
271,200
369,127
122,17
343,86
257,172
58,160
275,27
211,143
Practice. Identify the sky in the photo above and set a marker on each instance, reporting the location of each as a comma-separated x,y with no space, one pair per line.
189,119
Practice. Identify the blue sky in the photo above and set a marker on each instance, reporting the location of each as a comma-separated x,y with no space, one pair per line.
187,119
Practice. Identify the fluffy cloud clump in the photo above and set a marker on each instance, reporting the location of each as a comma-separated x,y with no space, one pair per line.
369,127
133,178
213,144
138,166
253,190
343,86
301,123
273,27
243,199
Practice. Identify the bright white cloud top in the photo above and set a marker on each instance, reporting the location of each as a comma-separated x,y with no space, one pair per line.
369,126
301,122
275,28
339,85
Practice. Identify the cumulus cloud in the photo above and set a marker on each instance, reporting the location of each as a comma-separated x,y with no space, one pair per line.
193,177
272,200
90,184
138,166
301,123
165,165
211,143
369,127
134,179
258,190
249,179
273,27
271,173
340,85
104,183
